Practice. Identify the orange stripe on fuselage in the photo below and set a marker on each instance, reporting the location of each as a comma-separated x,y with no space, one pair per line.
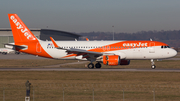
127,45
124,45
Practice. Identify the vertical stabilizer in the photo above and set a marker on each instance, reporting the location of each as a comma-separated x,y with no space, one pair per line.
21,32
24,39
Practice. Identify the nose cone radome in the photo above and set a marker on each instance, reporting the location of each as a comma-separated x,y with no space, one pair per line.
173,53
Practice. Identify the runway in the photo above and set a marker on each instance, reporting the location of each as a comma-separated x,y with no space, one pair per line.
58,68
86,69
20,56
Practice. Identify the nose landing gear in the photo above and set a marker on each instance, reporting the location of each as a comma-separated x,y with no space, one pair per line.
152,64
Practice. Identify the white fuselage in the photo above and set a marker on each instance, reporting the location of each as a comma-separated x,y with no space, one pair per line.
154,52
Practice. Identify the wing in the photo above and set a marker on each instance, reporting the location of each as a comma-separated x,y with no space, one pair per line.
89,55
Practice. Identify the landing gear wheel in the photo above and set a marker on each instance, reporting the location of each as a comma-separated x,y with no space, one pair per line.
17,52
153,66
91,66
98,65
4,53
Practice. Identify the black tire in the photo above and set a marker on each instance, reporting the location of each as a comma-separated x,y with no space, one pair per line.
4,53
98,65
153,66
91,66
17,52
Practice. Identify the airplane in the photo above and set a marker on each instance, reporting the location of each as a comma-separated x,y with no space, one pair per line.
110,53
5,51
8,49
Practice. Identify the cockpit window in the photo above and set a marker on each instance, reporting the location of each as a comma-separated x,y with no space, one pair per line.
165,47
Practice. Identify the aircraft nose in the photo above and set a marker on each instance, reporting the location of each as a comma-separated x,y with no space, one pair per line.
173,52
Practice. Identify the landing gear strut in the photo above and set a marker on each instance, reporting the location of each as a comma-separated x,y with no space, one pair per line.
152,64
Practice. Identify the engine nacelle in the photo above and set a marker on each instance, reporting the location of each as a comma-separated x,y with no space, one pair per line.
114,60
111,60
125,62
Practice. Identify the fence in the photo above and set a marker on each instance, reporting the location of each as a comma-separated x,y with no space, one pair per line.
92,92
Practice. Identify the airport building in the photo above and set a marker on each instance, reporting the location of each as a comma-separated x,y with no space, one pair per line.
43,34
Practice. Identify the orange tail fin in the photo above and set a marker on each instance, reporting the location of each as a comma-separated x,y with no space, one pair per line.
20,31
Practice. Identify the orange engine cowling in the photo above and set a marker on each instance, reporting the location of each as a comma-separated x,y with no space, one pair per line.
111,60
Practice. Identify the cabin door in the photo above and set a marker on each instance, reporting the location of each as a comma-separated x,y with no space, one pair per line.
152,48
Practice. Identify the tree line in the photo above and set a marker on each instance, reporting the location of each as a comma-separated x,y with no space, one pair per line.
172,38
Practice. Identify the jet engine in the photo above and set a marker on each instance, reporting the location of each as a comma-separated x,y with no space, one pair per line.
114,60
111,60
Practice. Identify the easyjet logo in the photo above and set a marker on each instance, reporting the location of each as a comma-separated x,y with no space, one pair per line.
23,30
135,44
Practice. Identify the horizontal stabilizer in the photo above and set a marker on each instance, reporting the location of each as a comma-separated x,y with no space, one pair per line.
17,46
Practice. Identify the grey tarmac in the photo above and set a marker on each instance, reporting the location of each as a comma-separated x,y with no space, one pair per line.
86,69
57,67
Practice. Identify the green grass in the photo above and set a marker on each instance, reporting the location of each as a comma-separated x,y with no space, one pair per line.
18,63
78,86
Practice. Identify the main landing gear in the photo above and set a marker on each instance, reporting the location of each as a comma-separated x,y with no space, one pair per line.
91,65
152,64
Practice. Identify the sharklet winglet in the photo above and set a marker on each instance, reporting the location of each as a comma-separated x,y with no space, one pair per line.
56,46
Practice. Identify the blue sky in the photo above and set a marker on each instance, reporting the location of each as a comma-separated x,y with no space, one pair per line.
94,15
